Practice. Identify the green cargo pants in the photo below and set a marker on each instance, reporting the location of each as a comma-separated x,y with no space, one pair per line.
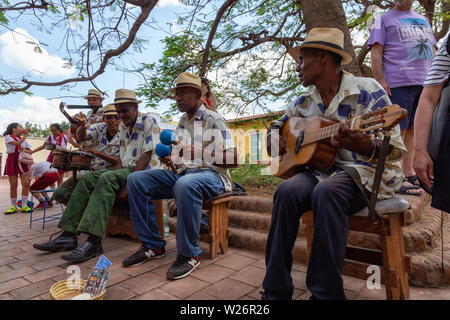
92,200
64,192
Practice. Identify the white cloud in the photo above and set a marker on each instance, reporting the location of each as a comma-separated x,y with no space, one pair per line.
163,3
19,51
36,110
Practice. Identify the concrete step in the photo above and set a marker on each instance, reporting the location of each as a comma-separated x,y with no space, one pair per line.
259,204
253,239
423,235
432,269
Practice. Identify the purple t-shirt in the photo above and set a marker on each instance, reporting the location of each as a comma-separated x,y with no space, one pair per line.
408,42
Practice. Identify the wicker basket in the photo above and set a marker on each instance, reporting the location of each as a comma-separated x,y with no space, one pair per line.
60,291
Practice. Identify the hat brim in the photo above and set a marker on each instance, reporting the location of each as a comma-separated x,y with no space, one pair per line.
88,96
127,101
202,89
295,52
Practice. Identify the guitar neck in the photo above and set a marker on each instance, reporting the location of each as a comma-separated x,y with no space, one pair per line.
326,132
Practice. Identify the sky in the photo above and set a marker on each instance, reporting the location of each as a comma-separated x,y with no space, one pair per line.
18,57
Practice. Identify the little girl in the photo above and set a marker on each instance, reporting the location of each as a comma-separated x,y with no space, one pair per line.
15,143
57,138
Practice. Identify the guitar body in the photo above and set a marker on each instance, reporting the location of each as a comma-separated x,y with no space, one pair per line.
319,155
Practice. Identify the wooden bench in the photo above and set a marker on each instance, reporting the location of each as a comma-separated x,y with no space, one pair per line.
120,221
218,235
393,262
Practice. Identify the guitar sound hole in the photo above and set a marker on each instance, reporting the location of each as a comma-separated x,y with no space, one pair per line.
299,142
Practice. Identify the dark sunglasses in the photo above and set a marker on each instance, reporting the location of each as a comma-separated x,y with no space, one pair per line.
112,117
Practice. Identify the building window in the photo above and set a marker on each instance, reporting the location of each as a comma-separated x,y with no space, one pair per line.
255,147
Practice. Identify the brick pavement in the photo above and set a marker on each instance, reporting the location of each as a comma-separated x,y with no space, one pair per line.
26,273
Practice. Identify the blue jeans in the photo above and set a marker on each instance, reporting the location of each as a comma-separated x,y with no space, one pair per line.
189,189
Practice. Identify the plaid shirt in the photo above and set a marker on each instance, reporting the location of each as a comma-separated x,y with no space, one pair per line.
97,139
143,138
356,96
206,121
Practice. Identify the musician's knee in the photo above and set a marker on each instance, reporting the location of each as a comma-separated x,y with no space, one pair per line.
323,191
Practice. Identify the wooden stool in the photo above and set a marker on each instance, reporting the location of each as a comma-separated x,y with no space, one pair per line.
393,262
219,232
120,220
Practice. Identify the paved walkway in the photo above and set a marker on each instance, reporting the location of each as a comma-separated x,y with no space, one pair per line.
26,273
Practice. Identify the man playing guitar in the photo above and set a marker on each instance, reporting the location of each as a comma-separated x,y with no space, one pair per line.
332,194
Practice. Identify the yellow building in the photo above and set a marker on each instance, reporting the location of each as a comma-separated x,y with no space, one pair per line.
34,142
249,135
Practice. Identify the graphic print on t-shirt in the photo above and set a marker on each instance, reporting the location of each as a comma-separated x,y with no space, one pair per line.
418,37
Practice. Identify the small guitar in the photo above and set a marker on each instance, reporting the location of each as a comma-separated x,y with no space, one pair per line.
308,146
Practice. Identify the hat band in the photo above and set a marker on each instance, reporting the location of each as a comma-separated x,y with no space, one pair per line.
121,99
187,83
324,43
110,111
94,94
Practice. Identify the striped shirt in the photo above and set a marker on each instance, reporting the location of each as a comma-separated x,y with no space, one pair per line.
440,69
357,96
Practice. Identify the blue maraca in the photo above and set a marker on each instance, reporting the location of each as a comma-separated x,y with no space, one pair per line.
168,137
163,150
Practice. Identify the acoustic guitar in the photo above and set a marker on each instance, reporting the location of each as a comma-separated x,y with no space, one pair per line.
308,139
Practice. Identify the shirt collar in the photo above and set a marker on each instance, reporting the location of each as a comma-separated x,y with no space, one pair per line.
348,88
140,123
198,115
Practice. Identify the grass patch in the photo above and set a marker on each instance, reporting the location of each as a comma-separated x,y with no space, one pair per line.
249,175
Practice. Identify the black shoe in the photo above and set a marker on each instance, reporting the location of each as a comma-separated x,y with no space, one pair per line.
142,255
182,267
61,243
84,252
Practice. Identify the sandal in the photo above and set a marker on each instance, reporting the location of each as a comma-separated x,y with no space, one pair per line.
424,187
405,190
413,180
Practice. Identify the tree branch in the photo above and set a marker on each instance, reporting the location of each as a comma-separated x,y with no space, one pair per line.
146,7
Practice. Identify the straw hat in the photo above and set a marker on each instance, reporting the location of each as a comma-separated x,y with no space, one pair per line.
330,39
124,96
186,79
92,93
109,109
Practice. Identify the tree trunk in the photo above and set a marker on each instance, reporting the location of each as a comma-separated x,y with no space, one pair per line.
330,14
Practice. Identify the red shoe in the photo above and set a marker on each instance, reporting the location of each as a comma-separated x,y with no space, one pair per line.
40,206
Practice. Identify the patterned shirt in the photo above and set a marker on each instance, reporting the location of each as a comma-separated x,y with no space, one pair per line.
440,69
144,137
95,118
356,96
211,130
97,139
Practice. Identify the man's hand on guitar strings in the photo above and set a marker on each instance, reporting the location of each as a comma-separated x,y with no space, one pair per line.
351,140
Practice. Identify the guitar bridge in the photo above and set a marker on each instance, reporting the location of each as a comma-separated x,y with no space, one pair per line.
299,142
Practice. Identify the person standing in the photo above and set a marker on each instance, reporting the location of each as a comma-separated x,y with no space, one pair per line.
15,142
59,139
434,175
401,44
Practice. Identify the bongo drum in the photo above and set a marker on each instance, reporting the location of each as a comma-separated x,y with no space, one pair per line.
61,159
80,160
